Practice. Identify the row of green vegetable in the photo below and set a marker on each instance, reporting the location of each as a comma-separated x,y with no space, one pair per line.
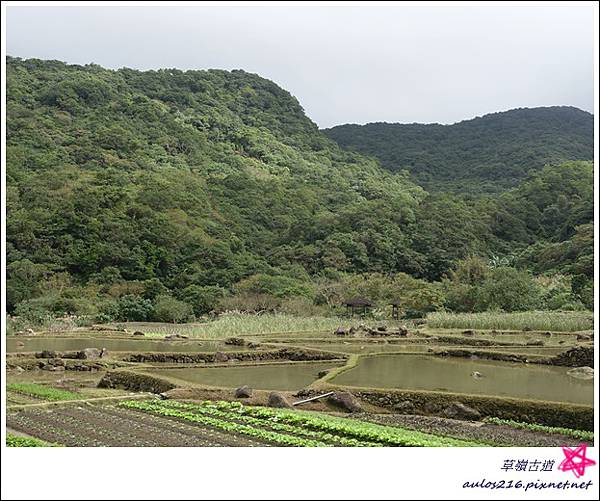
312,427
42,391
17,441
579,434
228,426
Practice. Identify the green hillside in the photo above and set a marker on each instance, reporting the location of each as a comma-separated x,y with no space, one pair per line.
485,154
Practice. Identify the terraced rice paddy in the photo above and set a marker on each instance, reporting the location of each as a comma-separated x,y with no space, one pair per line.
483,377
67,407
61,344
291,376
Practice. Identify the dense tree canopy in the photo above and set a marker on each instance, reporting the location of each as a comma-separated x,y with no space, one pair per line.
488,153
160,194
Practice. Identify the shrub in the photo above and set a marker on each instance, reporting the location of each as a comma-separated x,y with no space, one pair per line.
133,308
169,309
202,299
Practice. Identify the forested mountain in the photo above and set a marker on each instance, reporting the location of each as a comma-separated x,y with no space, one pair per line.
134,192
485,154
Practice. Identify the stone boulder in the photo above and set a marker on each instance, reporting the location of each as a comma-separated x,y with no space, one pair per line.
220,357
243,392
404,407
581,373
47,354
458,410
277,399
341,331
89,354
535,342
345,401
580,356
138,333
235,341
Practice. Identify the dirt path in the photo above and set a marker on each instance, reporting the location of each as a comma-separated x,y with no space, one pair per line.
491,433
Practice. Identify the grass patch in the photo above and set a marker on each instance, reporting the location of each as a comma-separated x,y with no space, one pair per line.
557,321
245,324
16,441
569,432
43,392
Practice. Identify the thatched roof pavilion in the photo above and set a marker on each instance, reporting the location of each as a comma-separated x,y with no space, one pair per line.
358,304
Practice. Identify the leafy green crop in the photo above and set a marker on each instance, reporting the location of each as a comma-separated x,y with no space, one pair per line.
579,434
41,391
235,414
268,436
315,427
16,441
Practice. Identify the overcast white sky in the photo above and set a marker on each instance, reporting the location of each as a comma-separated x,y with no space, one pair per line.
344,64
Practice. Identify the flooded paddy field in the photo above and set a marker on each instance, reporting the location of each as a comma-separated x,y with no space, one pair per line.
482,377
55,343
288,376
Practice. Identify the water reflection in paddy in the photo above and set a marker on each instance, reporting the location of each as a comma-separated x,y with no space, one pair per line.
114,344
294,376
416,372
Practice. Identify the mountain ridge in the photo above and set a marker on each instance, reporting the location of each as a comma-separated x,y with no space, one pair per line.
489,153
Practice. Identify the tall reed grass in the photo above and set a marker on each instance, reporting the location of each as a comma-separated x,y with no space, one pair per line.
558,321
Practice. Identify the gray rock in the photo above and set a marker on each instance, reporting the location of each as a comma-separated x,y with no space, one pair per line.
535,342
345,400
458,410
277,399
404,407
581,373
48,354
476,374
235,341
243,392
340,331
220,357
89,354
